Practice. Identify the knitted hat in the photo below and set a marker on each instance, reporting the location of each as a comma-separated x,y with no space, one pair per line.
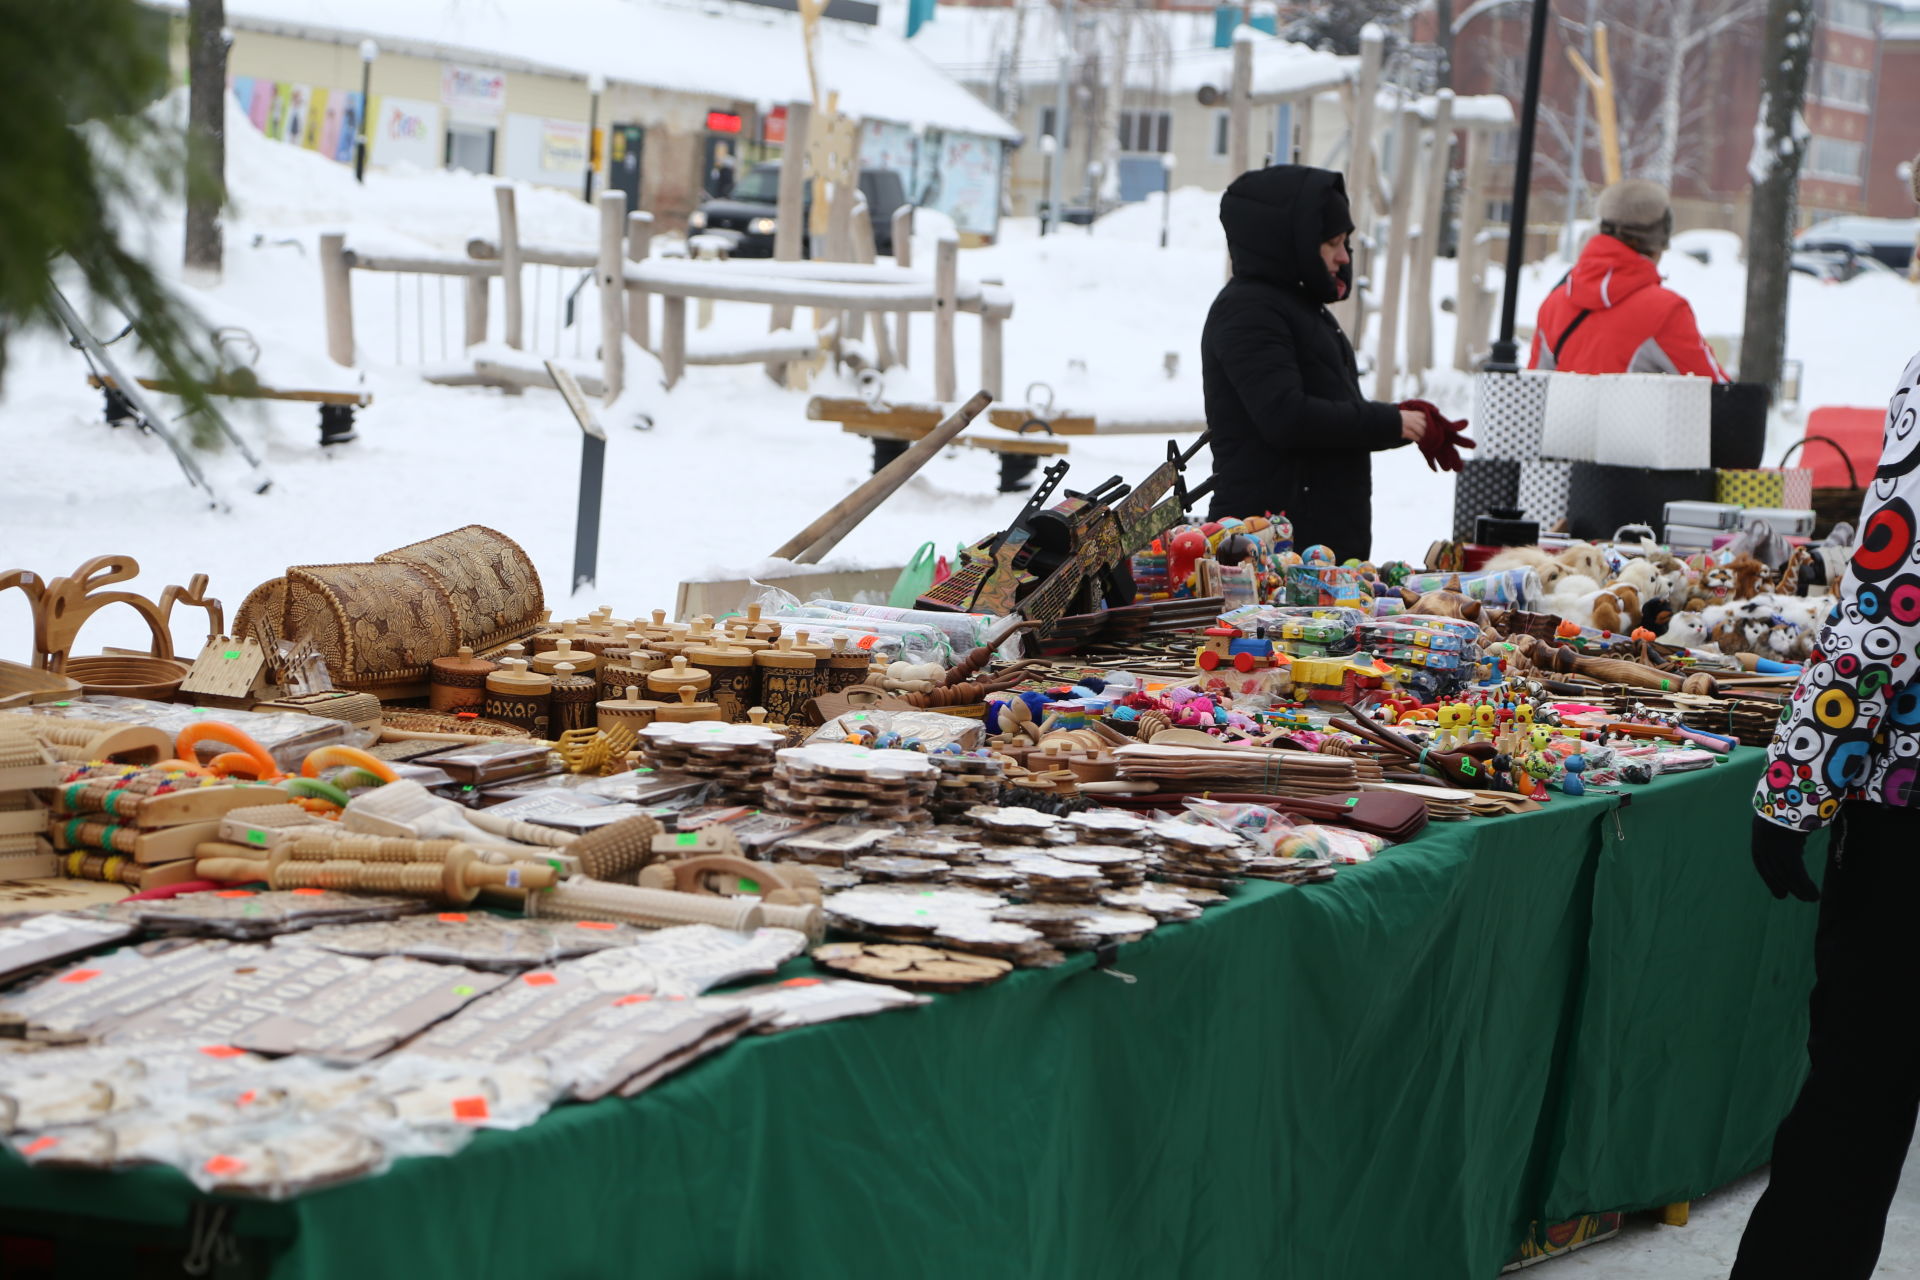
1637,213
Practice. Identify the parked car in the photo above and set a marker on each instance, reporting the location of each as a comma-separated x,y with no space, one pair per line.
1837,266
749,214
1888,240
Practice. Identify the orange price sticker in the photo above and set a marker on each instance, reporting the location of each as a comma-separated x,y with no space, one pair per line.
221,1166
221,1051
801,982
453,917
81,975
539,979
46,1142
234,893
866,642
631,1000
247,1099
471,1109
309,893
592,924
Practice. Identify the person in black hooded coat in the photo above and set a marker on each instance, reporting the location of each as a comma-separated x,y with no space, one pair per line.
1291,431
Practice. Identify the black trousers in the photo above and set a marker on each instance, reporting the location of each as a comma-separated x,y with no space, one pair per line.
1837,1156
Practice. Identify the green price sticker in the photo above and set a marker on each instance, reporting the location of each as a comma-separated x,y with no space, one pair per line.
687,841
463,991
749,886
1466,767
232,655
1353,801
256,837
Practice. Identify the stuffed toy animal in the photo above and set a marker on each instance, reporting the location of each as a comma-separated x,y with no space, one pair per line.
1749,577
1686,629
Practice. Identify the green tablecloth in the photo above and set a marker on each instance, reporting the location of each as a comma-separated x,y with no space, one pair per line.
1588,1008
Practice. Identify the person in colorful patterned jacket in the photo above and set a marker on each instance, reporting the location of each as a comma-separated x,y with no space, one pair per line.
1611,314
1847,754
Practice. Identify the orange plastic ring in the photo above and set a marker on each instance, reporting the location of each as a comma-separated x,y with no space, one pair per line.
228,763
326,757
216,731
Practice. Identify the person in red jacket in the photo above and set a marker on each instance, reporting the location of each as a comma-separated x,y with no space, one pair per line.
1611,314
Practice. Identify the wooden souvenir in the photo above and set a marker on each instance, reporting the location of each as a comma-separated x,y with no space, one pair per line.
564,650
228,673
362,709
629,711
596,751
82,741
734,680
459,683
739,637
573,698
457,878
25,763
790,679
846,665
582,899
160,844
630,664
804,642
915,968
760,628
666,683
518,697
686,710
21,685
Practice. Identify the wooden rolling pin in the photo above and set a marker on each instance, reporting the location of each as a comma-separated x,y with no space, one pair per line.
1614,670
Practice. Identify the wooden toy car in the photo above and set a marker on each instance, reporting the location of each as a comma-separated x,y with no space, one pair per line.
1230,646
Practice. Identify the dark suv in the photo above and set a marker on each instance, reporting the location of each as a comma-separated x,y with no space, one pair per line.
748,214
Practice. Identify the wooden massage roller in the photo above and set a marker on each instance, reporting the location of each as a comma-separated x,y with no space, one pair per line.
82,741
456,877
1550,657
581,899
789,895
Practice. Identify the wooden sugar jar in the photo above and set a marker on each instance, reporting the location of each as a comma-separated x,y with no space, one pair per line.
734,680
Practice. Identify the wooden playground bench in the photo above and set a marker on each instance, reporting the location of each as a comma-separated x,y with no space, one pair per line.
893,427
336,407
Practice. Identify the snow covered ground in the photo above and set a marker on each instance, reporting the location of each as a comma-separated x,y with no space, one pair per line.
1105,321
1704,1249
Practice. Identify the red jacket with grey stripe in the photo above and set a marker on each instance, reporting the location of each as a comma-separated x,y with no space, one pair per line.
1635,325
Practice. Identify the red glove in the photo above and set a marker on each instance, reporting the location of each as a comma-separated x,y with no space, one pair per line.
1444,437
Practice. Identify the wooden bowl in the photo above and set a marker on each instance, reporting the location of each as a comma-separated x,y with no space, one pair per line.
128,676
21,685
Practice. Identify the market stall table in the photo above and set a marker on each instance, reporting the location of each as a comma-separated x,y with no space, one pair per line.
1593,1007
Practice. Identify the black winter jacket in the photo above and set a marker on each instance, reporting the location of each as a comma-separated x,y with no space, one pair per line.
1291,430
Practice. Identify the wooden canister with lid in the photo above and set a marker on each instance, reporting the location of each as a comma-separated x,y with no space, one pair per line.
574,696
629,665
734,682
666,683
685,710
629,710
565,651
520,697
846,665
790,679
458,683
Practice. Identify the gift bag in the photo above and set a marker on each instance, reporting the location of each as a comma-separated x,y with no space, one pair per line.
1758,487
1831,505
1543,490
916,579
1655,420
1482,485
1508,411
1571,418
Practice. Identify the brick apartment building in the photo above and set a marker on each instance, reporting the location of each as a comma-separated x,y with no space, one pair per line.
1863,107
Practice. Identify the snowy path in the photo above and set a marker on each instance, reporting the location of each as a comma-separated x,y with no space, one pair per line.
1705,1248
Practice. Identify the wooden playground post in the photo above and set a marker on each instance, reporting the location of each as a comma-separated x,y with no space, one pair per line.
1406,148
639,300
610,278
673,338
1432,212
902,257
509,264
946,288
1471,266
787,229
476,288
992,348
336,292
1606,111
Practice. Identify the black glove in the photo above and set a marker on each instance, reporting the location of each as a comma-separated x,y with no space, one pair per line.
1779,855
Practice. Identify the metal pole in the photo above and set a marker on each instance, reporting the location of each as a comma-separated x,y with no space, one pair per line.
1061,105
1577,166
368,52
1505,352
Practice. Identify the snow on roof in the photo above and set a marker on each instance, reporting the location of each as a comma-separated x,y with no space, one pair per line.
743,52
1488,110
1168,52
